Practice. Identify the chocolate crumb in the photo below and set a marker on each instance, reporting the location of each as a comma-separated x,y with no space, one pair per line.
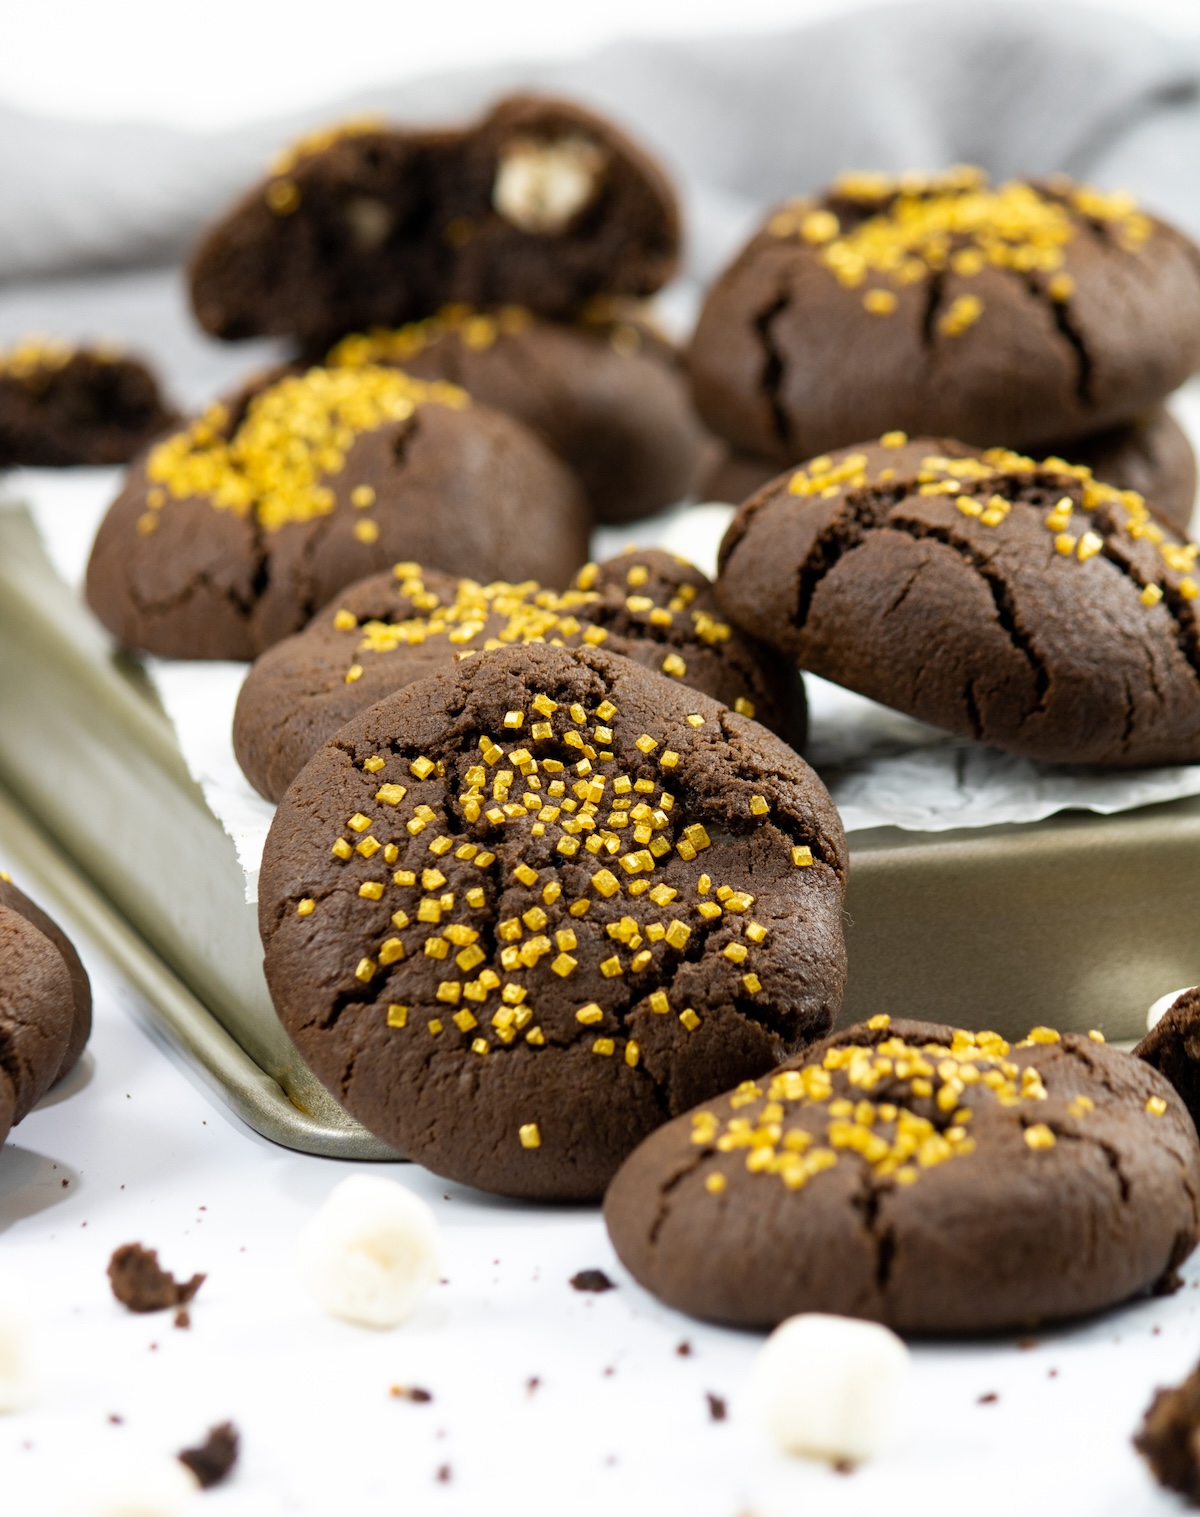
116,1420
988,1398
532,1383
216,1456
843,1467
65,1184
183,1317
443,1473
683,1348
717,1409
1052,1374
140,1284
410,1393
1168,1439
592,1280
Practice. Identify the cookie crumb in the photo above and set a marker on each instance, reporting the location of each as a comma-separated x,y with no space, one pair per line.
183,1318
139,1283
215,1457
987,1399
532,1384
594,1280
1167,1438
116,1419
410,1393
683,1348
843,1467
444,1473
718,1410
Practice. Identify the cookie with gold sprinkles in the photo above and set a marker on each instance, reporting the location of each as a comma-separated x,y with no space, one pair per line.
231,532
62,405
1020,313
389,630
1021,604
607,395
522,911
923,1176
1152,456
540,203
45,1005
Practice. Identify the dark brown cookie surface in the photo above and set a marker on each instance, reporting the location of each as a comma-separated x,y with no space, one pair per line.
1017,603
389,630
81,989
61,405
1172,1046
540,204
230,533
37,1012
608,399
518,913
936,1180
1022,313
1152,456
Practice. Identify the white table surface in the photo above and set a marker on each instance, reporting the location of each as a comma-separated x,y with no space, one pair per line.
619,1422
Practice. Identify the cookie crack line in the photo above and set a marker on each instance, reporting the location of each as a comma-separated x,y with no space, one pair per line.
773,367
663,1207
1187,637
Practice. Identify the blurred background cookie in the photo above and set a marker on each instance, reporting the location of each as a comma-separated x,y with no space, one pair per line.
391,629
540,204
81,989
61,405
232,531
1024,605
1027,315
522,910
936,1180
608,395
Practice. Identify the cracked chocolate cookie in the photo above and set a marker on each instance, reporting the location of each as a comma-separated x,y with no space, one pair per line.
540,204
1021,314
1172,1046
45,1005
522,911
1152,456
231,532
1022,604
608,398
936,1180
61,406
389,630
81,989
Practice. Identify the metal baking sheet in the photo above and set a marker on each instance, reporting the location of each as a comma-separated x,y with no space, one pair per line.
1079,921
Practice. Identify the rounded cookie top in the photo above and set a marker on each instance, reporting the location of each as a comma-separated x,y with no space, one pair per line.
1022,604
519,912
389,630
61,405
540,203
81,989
232,531
937,1180
37,1014
608,396
1019,314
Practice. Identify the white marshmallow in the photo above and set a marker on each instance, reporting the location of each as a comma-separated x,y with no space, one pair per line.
829,1386
540,186
1160,1007
156,1487
18,1384
370,1252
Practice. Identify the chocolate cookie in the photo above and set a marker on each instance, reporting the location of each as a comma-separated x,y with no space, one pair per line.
540,204
1172,1046
389,630
1152,456
935,1180
608,398
44,1003
520,912
1020,314
1018,603
230,533
81,989
1169,1437
61,405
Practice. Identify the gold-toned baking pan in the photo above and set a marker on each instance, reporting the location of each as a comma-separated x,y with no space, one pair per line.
91,763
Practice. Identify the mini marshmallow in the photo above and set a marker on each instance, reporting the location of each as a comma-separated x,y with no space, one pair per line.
18,1386
1160,1007
370,1252
156,1487
829,1387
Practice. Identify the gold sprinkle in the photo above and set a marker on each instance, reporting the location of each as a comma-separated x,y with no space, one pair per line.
391,795
611,967
366,531
530,1135
345,621
589,1015
894,439
306,907
365,970
689,1019
371,890
397,1016
605,1047
879,302
355,672
673,664
342,849
759,805
1151,595
714,1184
802,856
1156,1106
1096,1035
1039,1136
